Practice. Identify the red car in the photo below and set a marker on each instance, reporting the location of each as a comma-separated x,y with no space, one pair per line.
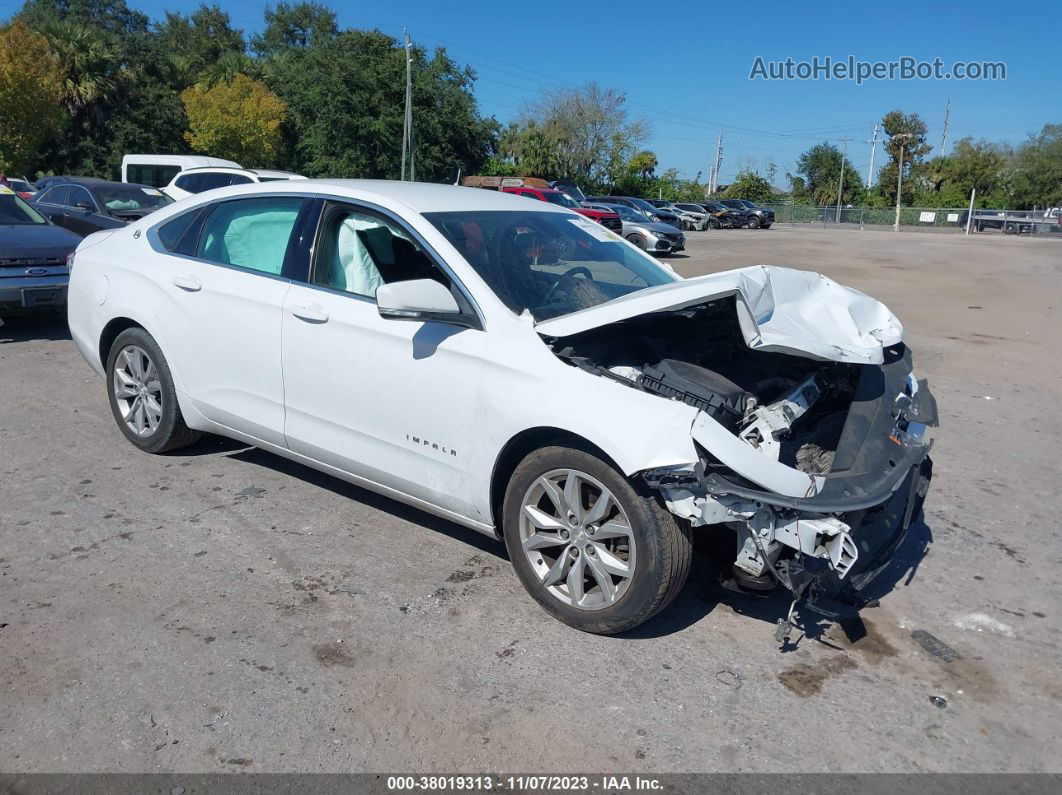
554,196
535,188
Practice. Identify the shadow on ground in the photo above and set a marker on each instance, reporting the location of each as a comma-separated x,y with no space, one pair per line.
27,329
702,594
254,455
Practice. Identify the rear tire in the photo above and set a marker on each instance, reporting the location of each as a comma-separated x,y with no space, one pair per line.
603,571
142,396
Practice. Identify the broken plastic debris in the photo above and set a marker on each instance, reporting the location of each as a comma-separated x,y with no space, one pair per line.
935,646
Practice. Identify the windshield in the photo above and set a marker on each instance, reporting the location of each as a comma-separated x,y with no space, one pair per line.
628,214
15,212
20,185
131,198
561,199
644,206
547,263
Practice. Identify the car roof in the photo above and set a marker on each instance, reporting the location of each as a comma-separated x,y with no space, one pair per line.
258,172
421,197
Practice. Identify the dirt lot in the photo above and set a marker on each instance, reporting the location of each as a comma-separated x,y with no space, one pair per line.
227,610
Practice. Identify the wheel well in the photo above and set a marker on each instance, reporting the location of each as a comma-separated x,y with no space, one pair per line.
522,445
110,333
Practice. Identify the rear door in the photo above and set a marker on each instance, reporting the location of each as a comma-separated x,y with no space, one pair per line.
226,276
52,202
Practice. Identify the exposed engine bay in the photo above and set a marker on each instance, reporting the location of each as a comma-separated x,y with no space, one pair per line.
855,431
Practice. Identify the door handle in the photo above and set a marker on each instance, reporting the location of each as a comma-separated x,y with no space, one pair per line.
188,283
311,313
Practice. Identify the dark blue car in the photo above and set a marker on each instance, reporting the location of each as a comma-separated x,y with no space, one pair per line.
33,252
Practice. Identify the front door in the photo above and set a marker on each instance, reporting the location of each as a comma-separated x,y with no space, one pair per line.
388,400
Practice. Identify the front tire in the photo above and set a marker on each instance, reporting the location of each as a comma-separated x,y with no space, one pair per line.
637,240
592,551
142,396
754,222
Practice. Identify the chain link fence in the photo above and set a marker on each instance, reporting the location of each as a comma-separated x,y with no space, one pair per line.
925,218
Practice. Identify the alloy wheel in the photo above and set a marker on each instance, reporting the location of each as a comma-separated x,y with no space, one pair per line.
578,539
137,390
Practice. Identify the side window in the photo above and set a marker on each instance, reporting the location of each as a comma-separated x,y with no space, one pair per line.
250,233
211,181
79,195
356,252
163,176
139,173
58,195
189,182
175,234
239,179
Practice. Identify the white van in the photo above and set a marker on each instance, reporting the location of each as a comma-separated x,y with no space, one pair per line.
159,170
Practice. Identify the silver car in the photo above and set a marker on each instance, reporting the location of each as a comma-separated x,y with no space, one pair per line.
693,215
652,236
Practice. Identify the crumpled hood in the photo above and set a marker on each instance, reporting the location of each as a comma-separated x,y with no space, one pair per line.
781,310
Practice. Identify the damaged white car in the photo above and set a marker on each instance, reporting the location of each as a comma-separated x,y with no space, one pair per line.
524,372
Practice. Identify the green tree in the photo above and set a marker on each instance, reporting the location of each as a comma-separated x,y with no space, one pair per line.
30,89
907,133
200,40
1037,179
110,16
820,167
345,103
90,59
239,119
589,133
300,25
751,186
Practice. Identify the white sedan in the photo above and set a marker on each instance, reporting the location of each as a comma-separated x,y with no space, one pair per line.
521,370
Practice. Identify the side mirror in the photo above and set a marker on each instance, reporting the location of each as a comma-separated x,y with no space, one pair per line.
417,299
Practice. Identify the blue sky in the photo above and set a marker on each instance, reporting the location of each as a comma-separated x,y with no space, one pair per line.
685,66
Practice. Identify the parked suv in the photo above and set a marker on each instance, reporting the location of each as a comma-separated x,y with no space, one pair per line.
758,217
722,217
196,180
642,206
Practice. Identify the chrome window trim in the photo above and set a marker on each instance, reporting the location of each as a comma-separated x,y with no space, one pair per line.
156,244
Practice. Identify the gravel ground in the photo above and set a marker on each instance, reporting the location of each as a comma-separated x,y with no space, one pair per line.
224,609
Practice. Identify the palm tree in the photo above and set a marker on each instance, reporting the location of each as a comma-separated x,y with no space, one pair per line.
91,63
226,67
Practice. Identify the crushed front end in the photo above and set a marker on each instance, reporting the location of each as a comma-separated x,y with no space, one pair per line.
869,469
818,465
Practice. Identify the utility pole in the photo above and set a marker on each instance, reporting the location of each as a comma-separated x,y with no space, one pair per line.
944,137
901,137
840,179
718,162
407,120
873,150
